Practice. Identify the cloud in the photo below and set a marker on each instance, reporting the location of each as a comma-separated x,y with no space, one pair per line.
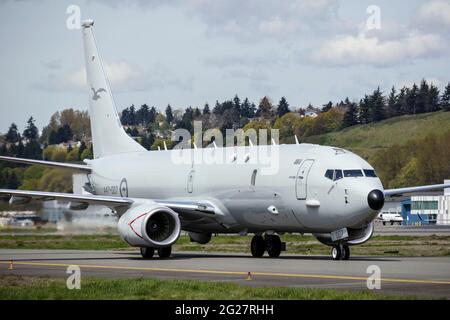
124,77
434,13
371,50
52,64
251,20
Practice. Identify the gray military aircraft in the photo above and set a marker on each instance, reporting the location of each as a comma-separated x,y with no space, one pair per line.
329,192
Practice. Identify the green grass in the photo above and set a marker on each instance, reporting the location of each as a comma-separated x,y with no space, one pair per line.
366,140
305,245
18,287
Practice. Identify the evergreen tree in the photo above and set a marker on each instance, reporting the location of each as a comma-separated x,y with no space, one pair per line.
411,99
377,107
248,109
445,100
434,103
217,108
328,106
31,132
169,114
132,116
197,113
283,107
265,108
206,109
13,135
392,104
350,116
364,110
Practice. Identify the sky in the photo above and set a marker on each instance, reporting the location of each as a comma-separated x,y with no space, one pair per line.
188,52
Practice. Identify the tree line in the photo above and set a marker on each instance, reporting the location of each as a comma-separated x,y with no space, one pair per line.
408,100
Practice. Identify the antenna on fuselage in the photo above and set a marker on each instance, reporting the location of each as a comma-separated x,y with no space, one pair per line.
165,145
273,142
195,145
159,148
250,142
296,139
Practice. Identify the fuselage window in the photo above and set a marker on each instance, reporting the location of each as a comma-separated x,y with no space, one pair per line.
353,173
370,173
337,174
329,174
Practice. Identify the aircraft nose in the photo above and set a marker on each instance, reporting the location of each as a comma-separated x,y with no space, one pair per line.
376,199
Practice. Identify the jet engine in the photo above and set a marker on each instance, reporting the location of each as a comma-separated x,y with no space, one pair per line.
355,236
149,225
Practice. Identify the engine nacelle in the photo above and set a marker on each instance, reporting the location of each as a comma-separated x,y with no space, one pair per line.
149,225
202,238
355,236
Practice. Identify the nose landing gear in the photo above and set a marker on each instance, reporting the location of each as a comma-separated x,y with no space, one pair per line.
340,252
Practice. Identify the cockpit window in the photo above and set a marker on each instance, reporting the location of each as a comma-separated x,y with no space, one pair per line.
333,174
337,174
353,173
370,173
329,174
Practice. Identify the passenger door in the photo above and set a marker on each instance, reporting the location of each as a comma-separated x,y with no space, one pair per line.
301,185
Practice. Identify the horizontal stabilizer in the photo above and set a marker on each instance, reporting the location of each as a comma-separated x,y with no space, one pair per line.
80,167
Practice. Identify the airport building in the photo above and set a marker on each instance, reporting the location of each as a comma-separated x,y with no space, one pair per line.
421,209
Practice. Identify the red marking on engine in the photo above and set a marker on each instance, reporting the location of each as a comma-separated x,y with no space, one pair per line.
130,224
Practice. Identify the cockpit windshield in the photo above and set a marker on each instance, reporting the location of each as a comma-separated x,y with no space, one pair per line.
337,174
353,173
370,173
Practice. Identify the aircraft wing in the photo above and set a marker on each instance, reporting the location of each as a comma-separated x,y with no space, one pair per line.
400,191
185,208
79,167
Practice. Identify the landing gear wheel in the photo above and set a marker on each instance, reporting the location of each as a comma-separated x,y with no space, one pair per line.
336,253
147,253
165,252
273,244
258,246
345,252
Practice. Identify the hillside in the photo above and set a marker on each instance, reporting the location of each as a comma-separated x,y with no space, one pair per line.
366,140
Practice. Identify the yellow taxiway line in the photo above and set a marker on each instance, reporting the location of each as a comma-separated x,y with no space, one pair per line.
268,274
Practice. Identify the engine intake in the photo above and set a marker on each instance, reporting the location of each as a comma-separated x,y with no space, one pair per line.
149,225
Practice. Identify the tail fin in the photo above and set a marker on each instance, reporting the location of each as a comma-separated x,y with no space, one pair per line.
108,135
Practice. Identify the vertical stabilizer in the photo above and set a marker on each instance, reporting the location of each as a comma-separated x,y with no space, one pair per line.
108,135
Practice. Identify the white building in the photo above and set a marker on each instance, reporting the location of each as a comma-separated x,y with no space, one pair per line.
437,208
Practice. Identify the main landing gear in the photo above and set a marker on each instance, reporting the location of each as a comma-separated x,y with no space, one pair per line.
270,243
340,252
147,253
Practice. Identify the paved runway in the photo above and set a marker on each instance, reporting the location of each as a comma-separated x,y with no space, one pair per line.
424,230
427,277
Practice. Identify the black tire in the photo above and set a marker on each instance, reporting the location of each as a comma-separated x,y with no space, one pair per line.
336,253
384,223
164,252
273,245
345,252
258,246
147,253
